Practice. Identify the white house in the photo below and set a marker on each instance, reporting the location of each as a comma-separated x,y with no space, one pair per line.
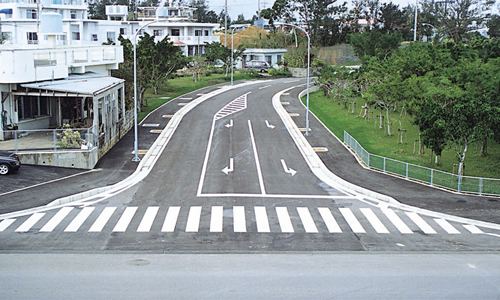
272,56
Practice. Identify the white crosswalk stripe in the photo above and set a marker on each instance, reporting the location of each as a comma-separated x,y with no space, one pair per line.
374,221
351,220
330,222
80,218
171,219
148,219
307,220
284,220
26,226
447,226
102,219
261,219
381,220
56,219
193,221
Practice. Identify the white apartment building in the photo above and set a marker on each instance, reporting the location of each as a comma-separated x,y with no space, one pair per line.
55,70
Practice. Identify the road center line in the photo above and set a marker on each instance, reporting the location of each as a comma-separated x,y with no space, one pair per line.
257,162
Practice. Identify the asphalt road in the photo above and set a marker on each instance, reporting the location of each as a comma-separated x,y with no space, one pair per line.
250,276
231,179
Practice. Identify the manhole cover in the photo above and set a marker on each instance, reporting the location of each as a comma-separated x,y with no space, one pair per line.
139,262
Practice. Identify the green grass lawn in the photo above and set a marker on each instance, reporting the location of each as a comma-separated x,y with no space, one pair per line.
376,141
183,85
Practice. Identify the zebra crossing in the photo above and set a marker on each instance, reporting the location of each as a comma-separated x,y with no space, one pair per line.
260,219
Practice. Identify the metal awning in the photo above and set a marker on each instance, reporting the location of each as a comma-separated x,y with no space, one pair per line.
6,11
76,85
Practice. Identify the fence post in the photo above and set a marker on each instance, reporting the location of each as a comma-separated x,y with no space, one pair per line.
459,183
406,170
432,177
384,164
55,139
88,138
368,158
480,186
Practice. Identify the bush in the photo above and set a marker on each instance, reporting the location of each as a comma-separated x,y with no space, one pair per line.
283,72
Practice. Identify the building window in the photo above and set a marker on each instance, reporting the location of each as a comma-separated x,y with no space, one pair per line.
206,32
29,107
31,14
157,32
6,35
278,58
94,38
110,36
141,32
197,33
73,14
32,37
269,59
176,32
123,31
75,36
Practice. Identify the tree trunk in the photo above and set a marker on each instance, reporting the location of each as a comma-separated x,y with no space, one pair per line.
484,147
462,158
388,123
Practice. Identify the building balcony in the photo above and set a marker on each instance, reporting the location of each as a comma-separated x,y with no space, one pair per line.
28,64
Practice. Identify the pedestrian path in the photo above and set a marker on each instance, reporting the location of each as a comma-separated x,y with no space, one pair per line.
238,219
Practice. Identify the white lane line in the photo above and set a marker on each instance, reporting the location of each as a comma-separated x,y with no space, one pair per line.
205,162
351,220
330,222
26,226
239,221
102,219
374,221
284,220
447,226
124,221
307,220
400,225
263,87
6,223
424,226
261,219
217,219
56,219
257,162
171,219
148,219
80,218
193,221
473,229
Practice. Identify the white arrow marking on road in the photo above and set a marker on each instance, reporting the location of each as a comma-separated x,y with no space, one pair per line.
269,125
287,169
230,168
230,124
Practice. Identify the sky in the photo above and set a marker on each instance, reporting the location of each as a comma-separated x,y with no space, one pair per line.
249,7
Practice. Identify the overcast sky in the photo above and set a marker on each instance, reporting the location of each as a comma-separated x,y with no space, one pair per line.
249,7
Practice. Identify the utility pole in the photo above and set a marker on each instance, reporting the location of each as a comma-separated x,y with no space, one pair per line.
225,23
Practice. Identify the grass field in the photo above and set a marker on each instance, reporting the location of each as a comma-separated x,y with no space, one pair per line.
376,141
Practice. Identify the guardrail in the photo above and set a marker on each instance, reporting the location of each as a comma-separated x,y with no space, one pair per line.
51,139
461,184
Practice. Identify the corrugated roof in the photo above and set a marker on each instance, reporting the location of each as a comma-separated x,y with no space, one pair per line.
85,84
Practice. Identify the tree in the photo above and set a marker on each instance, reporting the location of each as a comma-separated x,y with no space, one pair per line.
493,25
393,19
373,43
216,51
202,14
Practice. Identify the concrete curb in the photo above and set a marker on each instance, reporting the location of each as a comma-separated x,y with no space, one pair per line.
315,163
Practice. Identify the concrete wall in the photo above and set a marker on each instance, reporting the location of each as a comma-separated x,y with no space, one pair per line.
78,159
301,72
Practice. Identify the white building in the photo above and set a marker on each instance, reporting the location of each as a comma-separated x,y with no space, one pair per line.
54,69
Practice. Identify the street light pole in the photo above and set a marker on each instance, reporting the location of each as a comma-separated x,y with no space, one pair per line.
232,52
136,140
415,29
308,70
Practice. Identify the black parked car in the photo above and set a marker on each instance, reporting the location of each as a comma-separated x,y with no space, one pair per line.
8,162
